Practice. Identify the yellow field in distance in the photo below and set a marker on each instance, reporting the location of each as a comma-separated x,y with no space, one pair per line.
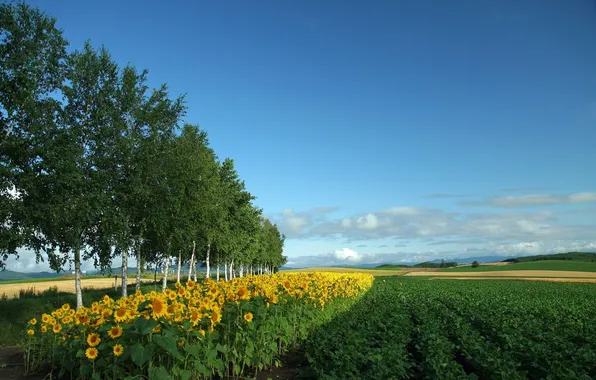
374,272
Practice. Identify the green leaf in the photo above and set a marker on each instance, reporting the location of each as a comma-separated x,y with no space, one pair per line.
168,343
140,354
145,326
159,373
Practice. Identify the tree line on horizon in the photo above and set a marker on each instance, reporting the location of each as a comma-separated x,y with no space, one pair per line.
95,165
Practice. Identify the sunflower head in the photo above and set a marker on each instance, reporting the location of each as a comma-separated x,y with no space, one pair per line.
115,332
30,332
91,353
93,339
120,314
118,350
248,317
56,328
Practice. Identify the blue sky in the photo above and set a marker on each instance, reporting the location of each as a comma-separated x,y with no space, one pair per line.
387,130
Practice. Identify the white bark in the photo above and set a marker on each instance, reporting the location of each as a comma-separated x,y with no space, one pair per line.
231,269
192,259
165,273
217,273
179,266
77,265
194,263
207,261
139,267
125,273
226,271
241,270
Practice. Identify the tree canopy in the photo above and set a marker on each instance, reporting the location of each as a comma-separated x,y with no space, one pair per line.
96,165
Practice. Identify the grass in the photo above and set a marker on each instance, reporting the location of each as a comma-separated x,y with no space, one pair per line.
561,265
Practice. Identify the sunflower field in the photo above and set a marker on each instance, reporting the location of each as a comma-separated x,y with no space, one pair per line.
197,330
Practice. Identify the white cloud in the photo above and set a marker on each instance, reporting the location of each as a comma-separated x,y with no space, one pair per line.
536,200
347,254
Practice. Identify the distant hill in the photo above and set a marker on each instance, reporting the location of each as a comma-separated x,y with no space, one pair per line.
9,275
569,256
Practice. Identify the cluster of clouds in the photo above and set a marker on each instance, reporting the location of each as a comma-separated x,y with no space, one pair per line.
508,228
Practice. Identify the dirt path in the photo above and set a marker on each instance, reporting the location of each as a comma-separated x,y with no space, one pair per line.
511,273
12,290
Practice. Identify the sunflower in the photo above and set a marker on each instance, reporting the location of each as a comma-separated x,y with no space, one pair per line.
106,313
215,316
172,295
248,317
195,317
243,294
66,307
82,319
115,332
45,318
118,350
93,339
190,284
30,332
33,321
44,329
56,328
91,353
120,314
158,308
181,291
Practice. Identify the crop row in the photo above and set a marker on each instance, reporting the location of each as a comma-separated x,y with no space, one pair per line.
197,330
461,329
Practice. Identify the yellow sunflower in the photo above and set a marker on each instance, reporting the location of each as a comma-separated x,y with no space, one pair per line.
248,317
56,328
30,332
118,350
115,332
93,339
120,314
158,308
91,353
33,321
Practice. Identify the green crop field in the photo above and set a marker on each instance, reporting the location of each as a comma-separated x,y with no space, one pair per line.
579,266
415,328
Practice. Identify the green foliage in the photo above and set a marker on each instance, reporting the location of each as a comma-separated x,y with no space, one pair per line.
475,264
413,328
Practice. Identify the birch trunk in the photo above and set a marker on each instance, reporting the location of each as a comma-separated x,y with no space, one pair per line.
192,259
179,266
226,271
241,270
231,269
194,263
77,265
165,273
217,274
207,261
125,273
139,266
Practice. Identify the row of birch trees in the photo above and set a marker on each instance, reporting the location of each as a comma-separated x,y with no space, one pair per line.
95,164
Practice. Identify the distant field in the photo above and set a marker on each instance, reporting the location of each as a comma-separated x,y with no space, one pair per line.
551,265
510,273
12,290
374,272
